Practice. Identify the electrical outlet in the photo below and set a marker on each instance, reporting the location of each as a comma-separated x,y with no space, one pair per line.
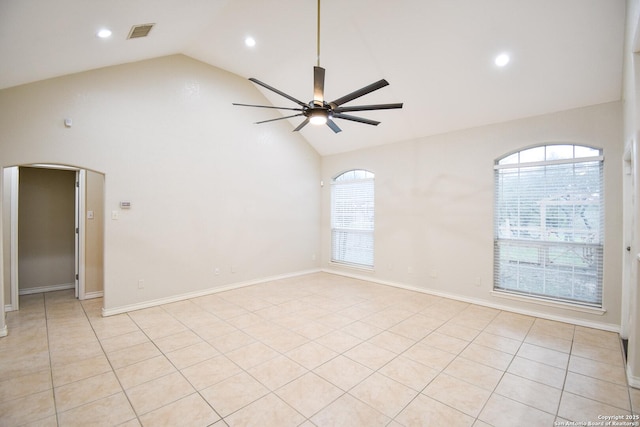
141,284
216,271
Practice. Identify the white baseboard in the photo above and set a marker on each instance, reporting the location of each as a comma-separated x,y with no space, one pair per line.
535,313
4,331
51,288
91,295
8,308
632,380
160,301
580,322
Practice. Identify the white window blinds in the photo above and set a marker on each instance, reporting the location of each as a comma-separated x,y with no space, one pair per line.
352,218
549,222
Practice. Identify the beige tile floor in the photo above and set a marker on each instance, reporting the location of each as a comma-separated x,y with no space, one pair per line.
316,350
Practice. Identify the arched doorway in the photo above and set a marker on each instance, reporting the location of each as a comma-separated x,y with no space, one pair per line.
47,258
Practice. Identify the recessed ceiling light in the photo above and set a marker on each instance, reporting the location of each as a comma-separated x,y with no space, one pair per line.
502,59
104,33
250,41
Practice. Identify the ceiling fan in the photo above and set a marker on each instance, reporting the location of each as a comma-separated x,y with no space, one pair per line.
318,111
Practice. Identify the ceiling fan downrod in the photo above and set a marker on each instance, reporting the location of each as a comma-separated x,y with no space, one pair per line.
318,37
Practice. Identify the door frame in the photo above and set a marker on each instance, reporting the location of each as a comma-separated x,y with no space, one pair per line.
630,252
14,176
80,202
81,181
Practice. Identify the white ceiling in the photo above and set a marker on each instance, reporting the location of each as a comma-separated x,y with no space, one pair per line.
436,54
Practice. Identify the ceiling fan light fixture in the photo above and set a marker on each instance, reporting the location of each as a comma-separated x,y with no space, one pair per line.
318,117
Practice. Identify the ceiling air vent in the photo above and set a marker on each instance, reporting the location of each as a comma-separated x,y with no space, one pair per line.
138,31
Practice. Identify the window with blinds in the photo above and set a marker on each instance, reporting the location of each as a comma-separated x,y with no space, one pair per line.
549,223
352,218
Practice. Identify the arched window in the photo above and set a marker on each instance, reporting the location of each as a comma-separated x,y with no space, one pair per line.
352,218
549,223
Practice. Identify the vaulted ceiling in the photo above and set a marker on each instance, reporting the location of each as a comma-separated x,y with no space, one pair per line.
438,55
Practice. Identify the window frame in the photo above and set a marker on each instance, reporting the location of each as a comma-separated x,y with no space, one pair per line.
581,154
341,252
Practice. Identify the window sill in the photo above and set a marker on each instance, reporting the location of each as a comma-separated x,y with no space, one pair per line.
549,303
352,266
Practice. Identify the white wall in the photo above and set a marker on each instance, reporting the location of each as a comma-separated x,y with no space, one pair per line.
208,188
434,205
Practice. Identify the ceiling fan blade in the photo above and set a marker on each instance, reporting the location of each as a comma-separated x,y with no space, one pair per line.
267,106
334,127
279,92
301,125
360,92
356,119
318,86
367,107
279,118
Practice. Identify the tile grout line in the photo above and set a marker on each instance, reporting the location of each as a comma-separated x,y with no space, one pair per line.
104,353
566,374
53,387
504,372
171,362
222,418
